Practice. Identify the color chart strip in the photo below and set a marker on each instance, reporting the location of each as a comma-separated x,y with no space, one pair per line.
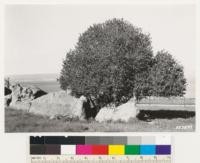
112,140
78,145
100,149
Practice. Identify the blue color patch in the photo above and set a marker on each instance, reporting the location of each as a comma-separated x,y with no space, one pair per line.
147,150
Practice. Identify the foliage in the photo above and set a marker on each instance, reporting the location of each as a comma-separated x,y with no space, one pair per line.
113,61
167,76
110,61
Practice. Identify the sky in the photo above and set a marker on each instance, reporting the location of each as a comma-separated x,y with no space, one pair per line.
37,37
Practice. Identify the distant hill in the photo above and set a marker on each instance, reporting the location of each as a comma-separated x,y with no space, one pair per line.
33,77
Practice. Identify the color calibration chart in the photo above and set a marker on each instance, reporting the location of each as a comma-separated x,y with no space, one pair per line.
100,149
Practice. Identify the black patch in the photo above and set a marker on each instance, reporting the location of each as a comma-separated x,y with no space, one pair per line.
7,91
89,110
164,114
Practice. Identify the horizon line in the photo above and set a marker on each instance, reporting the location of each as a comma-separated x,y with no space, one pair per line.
30,74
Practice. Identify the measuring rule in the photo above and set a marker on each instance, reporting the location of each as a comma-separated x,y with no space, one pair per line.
100,149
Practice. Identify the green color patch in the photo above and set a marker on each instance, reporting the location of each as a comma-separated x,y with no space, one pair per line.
132,149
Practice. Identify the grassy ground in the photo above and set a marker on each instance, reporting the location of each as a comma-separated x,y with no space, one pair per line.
20,121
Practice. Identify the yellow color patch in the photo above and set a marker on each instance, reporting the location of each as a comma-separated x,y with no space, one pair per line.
116,149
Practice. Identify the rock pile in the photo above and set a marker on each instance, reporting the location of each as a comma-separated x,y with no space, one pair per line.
55,104
63,104
21,96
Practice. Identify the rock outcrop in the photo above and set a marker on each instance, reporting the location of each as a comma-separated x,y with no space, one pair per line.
22,96
55,104
121,113
59,104
63,104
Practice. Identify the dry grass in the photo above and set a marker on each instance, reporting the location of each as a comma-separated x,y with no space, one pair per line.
20,121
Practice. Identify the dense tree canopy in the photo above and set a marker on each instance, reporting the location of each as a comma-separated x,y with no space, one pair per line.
167,76
111,62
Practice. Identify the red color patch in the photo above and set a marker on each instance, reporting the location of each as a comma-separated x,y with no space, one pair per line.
100,149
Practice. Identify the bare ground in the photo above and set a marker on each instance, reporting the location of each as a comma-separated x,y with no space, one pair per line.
20,121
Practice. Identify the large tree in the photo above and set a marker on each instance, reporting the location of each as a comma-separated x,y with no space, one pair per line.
113,61
110,62
167,76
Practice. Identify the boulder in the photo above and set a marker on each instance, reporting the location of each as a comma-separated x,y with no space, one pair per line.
7,91
25,105
25,94
22,96
105,114
57,104
122,113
